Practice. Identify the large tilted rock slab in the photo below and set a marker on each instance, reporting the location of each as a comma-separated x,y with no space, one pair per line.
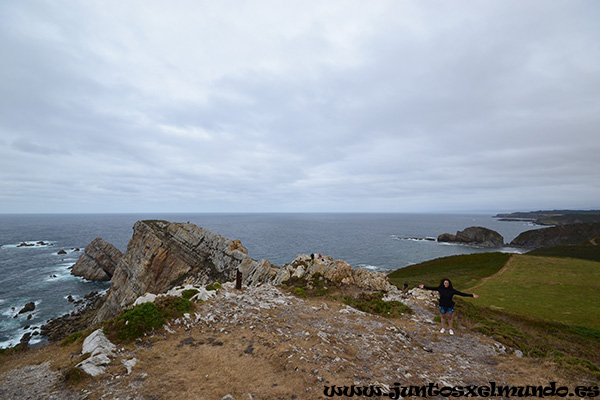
474,236
98,262
161,255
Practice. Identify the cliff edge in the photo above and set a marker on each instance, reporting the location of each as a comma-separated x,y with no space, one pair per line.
161,255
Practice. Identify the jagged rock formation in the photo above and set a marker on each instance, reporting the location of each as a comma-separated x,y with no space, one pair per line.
161,255
338,271
98,262
572,234
474,236
80,320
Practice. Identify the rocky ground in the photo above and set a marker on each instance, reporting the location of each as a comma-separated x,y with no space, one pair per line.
265,343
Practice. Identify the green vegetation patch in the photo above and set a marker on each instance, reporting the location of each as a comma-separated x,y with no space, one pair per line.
72,338
569,346
463,270
584,252
137,321
189,293
549,288
215,286
319,286
373,303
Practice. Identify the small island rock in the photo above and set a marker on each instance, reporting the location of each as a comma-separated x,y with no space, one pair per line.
28,307
474,236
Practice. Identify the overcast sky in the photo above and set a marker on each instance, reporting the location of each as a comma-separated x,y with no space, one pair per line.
299,106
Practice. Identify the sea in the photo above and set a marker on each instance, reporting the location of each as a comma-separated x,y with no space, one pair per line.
37,250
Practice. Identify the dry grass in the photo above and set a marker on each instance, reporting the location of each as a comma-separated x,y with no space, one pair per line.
249,358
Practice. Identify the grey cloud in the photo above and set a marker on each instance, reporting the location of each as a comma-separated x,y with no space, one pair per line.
388,108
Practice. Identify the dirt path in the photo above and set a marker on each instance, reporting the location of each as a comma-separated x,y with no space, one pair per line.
501,271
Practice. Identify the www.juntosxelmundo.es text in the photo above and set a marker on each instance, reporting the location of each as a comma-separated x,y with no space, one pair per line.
398,391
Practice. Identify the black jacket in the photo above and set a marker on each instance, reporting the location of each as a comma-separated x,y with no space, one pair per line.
446,295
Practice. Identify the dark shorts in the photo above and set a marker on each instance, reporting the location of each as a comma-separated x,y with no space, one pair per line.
446,310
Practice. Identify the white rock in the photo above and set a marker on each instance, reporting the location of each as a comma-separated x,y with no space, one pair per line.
97,343
100,349
129,364
518,353
147,298
95,365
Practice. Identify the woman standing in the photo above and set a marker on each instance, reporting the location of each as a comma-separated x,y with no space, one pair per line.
446,303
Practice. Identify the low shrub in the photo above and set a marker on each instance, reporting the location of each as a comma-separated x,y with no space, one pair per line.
373,303
72,338
73,375
134,323
189,293
171,307
137,321
215,286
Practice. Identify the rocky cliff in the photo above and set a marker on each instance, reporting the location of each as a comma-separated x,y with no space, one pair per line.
474,236
571,234
338,271
161,255
98,262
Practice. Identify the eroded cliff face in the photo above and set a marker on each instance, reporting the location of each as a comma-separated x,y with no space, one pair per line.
161,255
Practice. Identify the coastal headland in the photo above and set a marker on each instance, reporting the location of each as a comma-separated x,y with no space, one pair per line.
248,329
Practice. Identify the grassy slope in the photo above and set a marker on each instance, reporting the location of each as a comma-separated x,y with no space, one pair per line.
464,270
527,296
554,289
585,252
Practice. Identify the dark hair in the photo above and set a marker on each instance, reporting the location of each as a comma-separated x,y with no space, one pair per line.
449,283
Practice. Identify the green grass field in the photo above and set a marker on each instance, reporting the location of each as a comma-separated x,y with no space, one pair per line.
544,306
463,270
554,289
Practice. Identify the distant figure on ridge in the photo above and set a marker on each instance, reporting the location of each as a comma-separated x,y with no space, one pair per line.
446,303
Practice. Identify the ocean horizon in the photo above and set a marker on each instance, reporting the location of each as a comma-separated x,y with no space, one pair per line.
376,241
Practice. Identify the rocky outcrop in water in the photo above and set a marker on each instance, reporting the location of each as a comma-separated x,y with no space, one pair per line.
28,308
98,262
474,236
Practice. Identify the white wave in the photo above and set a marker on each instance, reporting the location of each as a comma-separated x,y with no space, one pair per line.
13,309
416,239
36,339
15,339
30,244
10,342
370,267
9,311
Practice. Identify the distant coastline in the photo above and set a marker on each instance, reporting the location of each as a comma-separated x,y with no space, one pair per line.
552,217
